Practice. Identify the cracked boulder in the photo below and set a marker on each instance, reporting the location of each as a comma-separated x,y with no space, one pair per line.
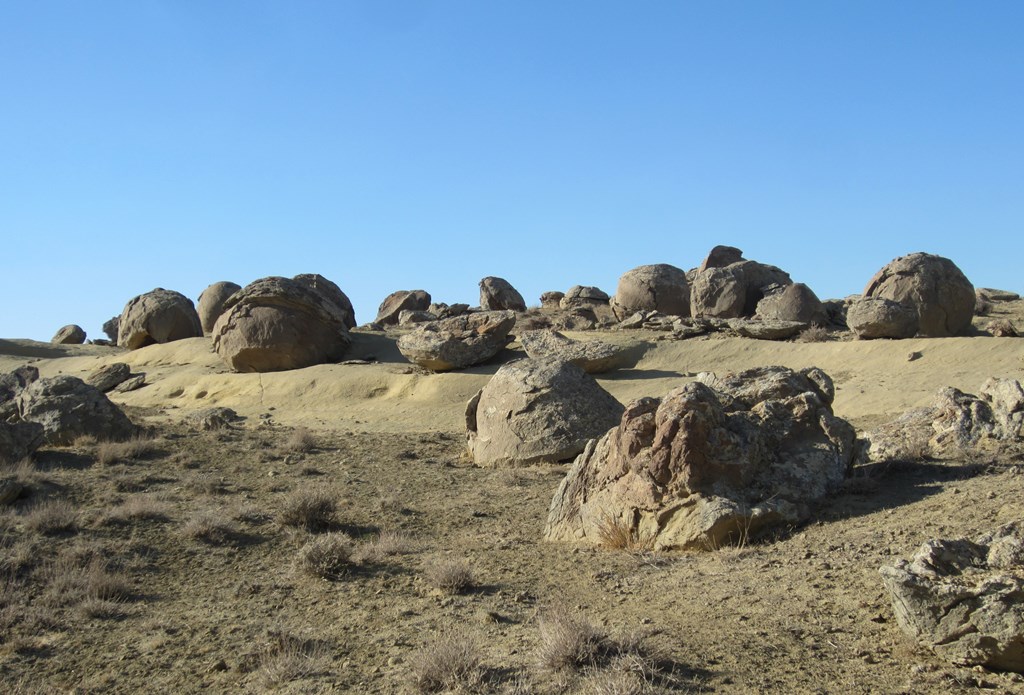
458,342
942,295
733,291
403,300
660,287
710,463
160,316
537,411
876,317
964,599
68,408
498,294
592,356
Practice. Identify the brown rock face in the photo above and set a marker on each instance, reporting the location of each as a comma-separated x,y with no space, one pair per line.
581,296
458,342
497,294
160,316
331,292
211,303
706,464
875,317
964,599
661,287
537,411
275,324
796,302
592,356
943,296
551,300
69,335
733,291
721,256
397,302
68,408
109,376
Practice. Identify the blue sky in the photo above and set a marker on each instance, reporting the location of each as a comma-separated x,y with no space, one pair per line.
414,144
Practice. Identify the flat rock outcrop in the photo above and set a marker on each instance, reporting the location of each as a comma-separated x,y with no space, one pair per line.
733,291
711,462
68,408
69,335
537,411
592,356
660,287
160,316
211,303
276,324
942,295
458,342
766,329
498,294
877,317
109,376
964,599
397,302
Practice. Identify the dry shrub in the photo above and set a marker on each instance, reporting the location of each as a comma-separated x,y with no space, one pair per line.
615,533
109,453
450,663
79,576
143,507
52,517
387,543
329,556
614,682
813,334
289,657
568,641
312,509
208,527
100,608
448,575
23,471
301,440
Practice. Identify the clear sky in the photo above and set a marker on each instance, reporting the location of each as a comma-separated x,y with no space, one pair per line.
426,144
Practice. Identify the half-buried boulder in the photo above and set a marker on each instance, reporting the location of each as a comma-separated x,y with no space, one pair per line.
796,302
707,465
458,342
877,317
109,376
964,599
69,408
274,324
660,287
211,303
592,356
160,316
69,335
537,411
943,296
397,302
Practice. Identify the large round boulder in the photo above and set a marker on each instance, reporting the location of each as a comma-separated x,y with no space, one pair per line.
274,324
68,408
458,342
537,411
875,317
403,300
711,462
69,335
660,287
211,303
796,302
331,292
160,316
942,295
733,291
498,294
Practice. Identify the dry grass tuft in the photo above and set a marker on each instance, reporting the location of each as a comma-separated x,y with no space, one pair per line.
109,453
450,663
450,576
23,471
329,556
52,517
288,658
615,533
142,507
208,527
301,440
387,543
568,641
814,334
312,509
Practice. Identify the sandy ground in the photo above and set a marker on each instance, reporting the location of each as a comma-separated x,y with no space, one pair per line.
802,611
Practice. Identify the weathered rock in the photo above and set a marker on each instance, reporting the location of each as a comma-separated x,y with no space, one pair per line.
497,294
1002,328
10,489
661,287
410,318
458,342
592,356
733,291
796,302
965,599
211,303
943,297
551,300
132,383
110,328
160,316
955,422
109,376
275,324
579,296
69,335
767,329
537,411
992,295
11,384
19,440
215,418
68,408
876,317
397,302
721,256
331,292
705,465
445,311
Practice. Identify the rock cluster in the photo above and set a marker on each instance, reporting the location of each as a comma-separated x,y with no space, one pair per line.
728,286
712,461
403,300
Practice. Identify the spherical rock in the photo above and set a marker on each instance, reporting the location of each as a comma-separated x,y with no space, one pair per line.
211,303
943,297
660,287
160,316
69,335
497,294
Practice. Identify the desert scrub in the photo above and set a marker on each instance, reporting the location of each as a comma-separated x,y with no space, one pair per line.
210,528
814,334
450,663
140,507
301,440
311,509
52,517
615,533
289,657
109,453
386,543
567,641
450,576
328,556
